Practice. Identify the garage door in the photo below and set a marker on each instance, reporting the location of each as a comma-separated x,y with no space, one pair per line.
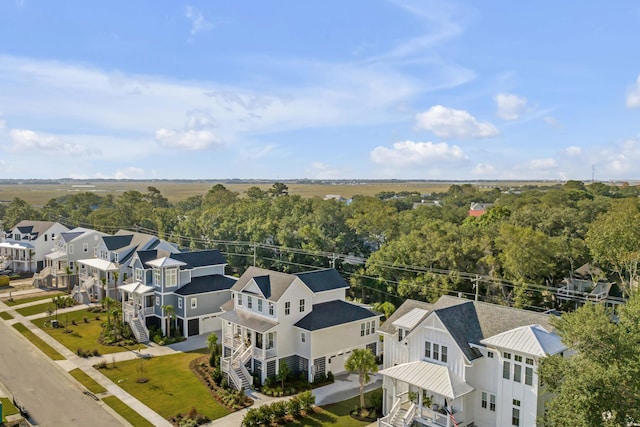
210,324
336,362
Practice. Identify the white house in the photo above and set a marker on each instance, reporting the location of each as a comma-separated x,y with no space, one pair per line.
109,265
68,247
23,248
464,363
301,319
192,283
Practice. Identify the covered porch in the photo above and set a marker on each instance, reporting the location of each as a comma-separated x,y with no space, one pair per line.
424,392
17,256
97,278
137,303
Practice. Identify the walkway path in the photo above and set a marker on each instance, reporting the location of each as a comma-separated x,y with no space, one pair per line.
345,386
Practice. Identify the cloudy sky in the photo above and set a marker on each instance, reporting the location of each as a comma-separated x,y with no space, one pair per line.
492,89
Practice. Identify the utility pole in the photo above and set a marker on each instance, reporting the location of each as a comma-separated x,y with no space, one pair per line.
477,286
254,254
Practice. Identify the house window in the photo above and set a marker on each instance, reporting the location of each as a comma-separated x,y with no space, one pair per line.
157,300
436,351
517,373
249,302
115,257
303,337
270,309
70,249
490,354
138,275
492,402
194,302
239,299
517,358
368,329
260,305
443,353
506,370
45,237
302,305
483,401
269,340
529,361
171,277
85,247
362,329
528,375
427,349
71,266
156,276
515,413
506,355
179,302
287,308
400,333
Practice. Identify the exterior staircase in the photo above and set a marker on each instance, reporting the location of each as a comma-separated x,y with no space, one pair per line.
245,382
398,419
139,330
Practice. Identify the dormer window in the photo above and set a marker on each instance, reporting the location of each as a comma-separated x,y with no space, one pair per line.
249,302
239,299
171,277
156,276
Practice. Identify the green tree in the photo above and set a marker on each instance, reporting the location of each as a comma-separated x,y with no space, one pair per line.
283,372
599,385
278,189
363,363
169,313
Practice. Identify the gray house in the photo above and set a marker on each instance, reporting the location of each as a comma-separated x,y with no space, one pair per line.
184,289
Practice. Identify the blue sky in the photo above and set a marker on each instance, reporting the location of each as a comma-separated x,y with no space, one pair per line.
463,90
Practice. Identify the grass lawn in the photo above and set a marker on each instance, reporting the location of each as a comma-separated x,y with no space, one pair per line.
18,301
35,340
6,316
171,387
83,335
336,414
126,412
87,381
36,309
7,409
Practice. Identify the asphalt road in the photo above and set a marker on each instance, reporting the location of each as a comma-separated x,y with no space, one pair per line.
50,397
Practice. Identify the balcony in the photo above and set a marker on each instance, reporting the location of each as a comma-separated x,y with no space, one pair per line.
264,354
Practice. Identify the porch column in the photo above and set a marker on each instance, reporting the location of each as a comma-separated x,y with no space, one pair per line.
421,392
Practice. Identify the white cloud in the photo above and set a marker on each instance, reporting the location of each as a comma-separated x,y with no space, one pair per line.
454,124
510,106
24,139
633,95
129,173
573,151
552,121
198,21
543,164
410,153
319,170
483,169
189,139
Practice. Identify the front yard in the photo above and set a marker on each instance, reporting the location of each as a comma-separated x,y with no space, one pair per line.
84,334
171,386
336,414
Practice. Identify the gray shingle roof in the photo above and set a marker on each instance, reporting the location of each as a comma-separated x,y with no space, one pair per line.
323,280
333,313
203,284
117,242
70,235
34,228
278,282
264,284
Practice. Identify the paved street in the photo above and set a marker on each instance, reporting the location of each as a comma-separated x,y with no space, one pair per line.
50,396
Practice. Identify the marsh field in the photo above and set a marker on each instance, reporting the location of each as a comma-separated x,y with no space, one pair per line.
39,193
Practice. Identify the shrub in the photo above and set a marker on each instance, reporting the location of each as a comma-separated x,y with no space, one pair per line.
330,376
101,364
307,400
4,280
96,352
293,407
375,399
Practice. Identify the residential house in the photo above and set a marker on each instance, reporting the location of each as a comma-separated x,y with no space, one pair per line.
463,363
110,264
588,284
68,248
479,209
23,248
300,319
192,284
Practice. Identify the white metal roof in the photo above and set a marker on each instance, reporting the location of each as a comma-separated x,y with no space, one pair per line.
55,255
429,376
16,245
100,264
136,288
532,339
166,262
411,319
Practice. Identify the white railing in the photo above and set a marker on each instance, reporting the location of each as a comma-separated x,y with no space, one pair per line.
259,353
388,420
407,419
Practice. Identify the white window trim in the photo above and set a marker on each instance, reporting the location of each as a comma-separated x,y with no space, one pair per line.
179,302
194,303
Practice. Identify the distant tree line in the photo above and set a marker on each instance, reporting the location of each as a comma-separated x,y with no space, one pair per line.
529,240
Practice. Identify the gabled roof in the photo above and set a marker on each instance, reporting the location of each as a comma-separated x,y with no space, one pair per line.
334,313
146,256
323,280
251,321
117,242
411,319
264,285
278,282
388,326
200,258
430,376
70,235
531,339
463,325
35,228
204,284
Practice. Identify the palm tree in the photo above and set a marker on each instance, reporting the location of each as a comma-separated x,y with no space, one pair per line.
363,363
169,311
